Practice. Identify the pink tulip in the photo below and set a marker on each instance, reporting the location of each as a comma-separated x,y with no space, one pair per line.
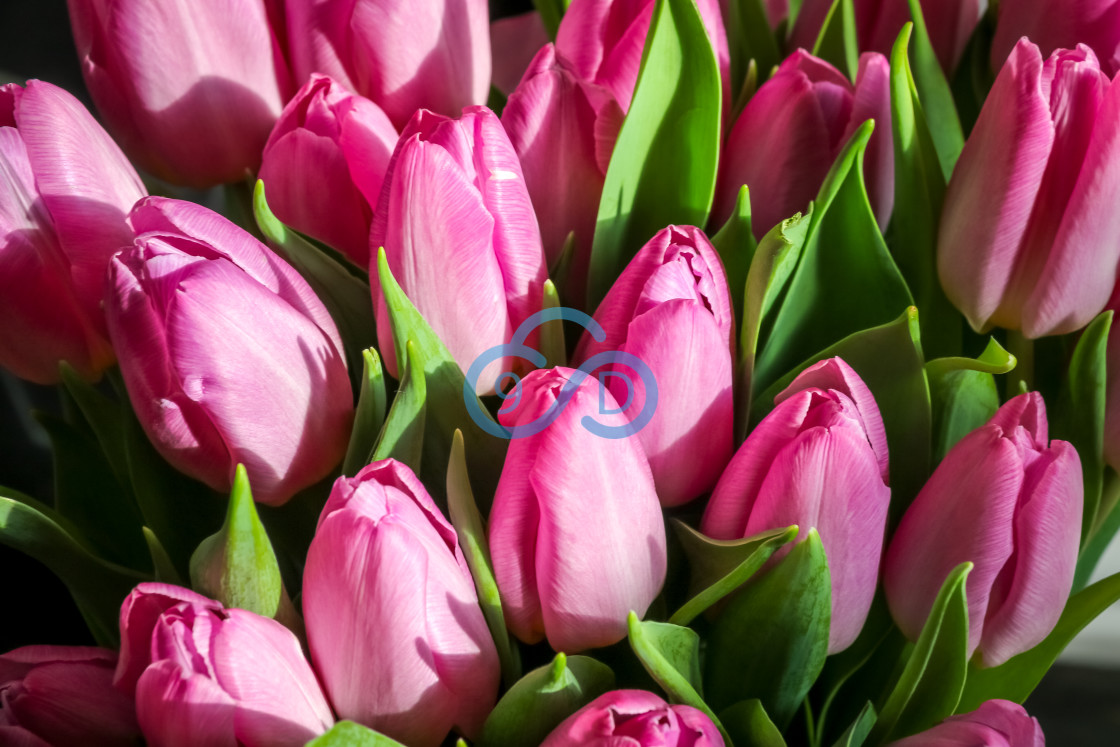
819,459
64,200
63,695
514,42
1011,504
576,532
403,54
459,234
999,723
791,131
392,616
563,130
671,308
634,718
1052,26
190,89
1030,239
228,355
203,674
324,164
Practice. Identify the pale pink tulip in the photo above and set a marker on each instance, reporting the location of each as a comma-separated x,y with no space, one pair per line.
996,723
635,718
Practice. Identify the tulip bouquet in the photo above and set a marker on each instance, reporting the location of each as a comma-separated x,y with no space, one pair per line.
632,372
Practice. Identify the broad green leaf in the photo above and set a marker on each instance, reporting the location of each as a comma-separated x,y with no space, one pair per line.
350,734
370,415
402,436
748,725
750,38
771,639
736,246
933,89
1108,523
931,682
552,11
543,698
664,164
104,418
963,394
836,42
164,570
856,734
552,333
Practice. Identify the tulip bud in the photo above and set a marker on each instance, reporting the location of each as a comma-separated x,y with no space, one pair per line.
563,130
324,163
996,722
671,308
191,90
459,234
791,131
227,354
1064,25
819,459
1029,238
63,695
1010,503
204,674
638,718
64,201
403,54
576,532
392,615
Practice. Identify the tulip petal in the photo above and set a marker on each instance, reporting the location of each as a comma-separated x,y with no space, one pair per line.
872,100
139,614
514,41
180,709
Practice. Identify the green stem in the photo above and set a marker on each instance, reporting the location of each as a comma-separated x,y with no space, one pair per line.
1023,374
810,724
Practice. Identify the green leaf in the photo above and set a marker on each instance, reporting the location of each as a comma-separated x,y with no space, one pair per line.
748,725
104,418
856,734
370,416
552,11
496,100
750,38
1108,523
165,572
931,682
402,436
543,698
552,333
933,89
736,246
836,42
963,394
350,734
719,567
664,164
771,640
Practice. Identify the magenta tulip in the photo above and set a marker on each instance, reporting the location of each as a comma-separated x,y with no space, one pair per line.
635,718
392,616
459,234
1061,25
576,532
324,164
819,459
403,54
64,201
671,308
514,42
227,354
1009,502
791,131
190,89
996,723
1030,239
63,695
203,674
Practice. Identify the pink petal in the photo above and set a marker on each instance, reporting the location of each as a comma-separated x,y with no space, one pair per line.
514,41
139,613
872,100
179,709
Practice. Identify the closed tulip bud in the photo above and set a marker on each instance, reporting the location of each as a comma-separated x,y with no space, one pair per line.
63,695
65,193
227,354
403,54
1052,26
671,308
999,723
1029,236
1008,501
324,163
819,459
203,674
392,615
190,89
459,234
576,532
791,131
635,718
563,130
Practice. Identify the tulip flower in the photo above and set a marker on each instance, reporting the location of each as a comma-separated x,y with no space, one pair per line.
635,718
1008,501
576,534
791,131
63,695
996,722
459,234
189,89
227,354
1029,238
563,130
1052,26
403,54
819,459
514,42
324,163
64,200
671,308
203,674
392,615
